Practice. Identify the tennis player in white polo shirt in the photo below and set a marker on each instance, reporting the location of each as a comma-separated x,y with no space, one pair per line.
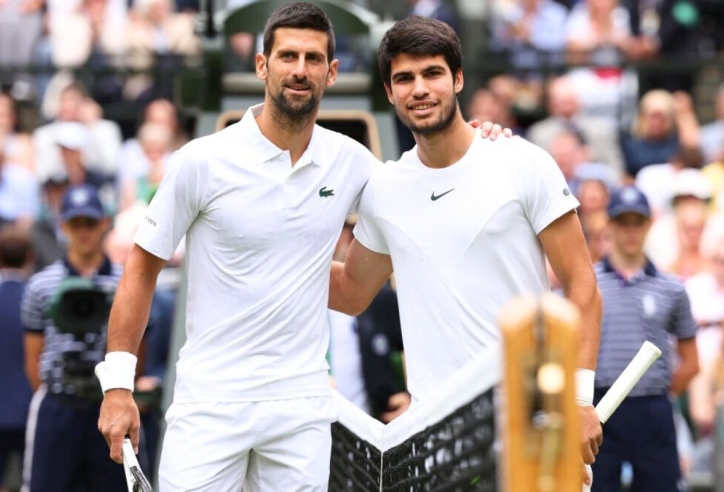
261,205
466,224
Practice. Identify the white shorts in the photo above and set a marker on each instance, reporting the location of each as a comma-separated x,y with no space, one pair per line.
268,446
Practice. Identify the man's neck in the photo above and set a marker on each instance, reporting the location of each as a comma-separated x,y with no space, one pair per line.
628,265
86,265
447,147
292,134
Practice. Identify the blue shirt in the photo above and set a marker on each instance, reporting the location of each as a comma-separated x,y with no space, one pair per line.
19,192
15,392
650,306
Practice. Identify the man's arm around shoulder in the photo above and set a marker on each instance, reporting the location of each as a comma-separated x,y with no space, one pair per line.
129,317
354,283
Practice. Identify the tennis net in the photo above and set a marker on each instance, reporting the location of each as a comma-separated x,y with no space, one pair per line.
445,443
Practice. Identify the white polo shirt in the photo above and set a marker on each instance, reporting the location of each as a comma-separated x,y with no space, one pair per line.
259,241
463,241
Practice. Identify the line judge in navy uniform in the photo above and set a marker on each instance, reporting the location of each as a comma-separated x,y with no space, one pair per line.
63,342
641,303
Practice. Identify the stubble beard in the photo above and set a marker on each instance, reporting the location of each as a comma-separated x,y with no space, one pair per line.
443,123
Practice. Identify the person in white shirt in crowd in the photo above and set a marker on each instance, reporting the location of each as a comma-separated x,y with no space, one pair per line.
103,142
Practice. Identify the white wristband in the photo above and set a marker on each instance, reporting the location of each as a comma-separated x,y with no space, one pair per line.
119,371
585,379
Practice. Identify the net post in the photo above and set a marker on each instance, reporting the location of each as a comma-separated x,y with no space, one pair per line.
541,430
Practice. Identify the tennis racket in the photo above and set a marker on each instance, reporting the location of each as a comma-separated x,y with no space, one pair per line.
646,356
135,479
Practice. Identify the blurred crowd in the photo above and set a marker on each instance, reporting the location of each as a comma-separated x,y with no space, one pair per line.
565,87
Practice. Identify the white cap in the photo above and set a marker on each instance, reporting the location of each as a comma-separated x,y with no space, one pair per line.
691,182
71,135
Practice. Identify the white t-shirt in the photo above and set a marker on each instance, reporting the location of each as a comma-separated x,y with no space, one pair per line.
463,242
259,239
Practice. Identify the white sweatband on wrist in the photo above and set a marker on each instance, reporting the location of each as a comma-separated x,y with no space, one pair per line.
120,371
585,379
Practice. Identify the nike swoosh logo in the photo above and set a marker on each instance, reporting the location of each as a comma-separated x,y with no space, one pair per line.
434,197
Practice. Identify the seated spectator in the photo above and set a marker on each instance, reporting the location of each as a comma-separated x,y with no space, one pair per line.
71,139
712,134
157,34
706,392
564,114
155,142
682,172
442,10
102,146
664,123
19,194
131,159
18,146
93,34
531,32
598,32
21,25
598,237
679,238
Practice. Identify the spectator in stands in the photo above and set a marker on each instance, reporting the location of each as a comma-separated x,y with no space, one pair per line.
19,193
598,237
72,139
494,102
21,24
94,34
661,182
131,159
597,33
570,151
442,10
102,146
706,291
158,36
689,206
664,123
155,141
564,114
67,451
15,265
18,146
641,303
712,134
48,239
691,220
530,32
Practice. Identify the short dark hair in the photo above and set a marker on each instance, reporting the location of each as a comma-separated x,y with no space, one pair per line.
419,36
15,247
299,15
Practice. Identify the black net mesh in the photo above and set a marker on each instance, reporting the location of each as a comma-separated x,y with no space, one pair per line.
455,454
355,465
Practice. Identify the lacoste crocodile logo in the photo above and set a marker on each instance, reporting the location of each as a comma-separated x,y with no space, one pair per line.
324,192
434,197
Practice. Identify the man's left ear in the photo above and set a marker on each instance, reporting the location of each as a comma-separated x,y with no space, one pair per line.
458,82
332,73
